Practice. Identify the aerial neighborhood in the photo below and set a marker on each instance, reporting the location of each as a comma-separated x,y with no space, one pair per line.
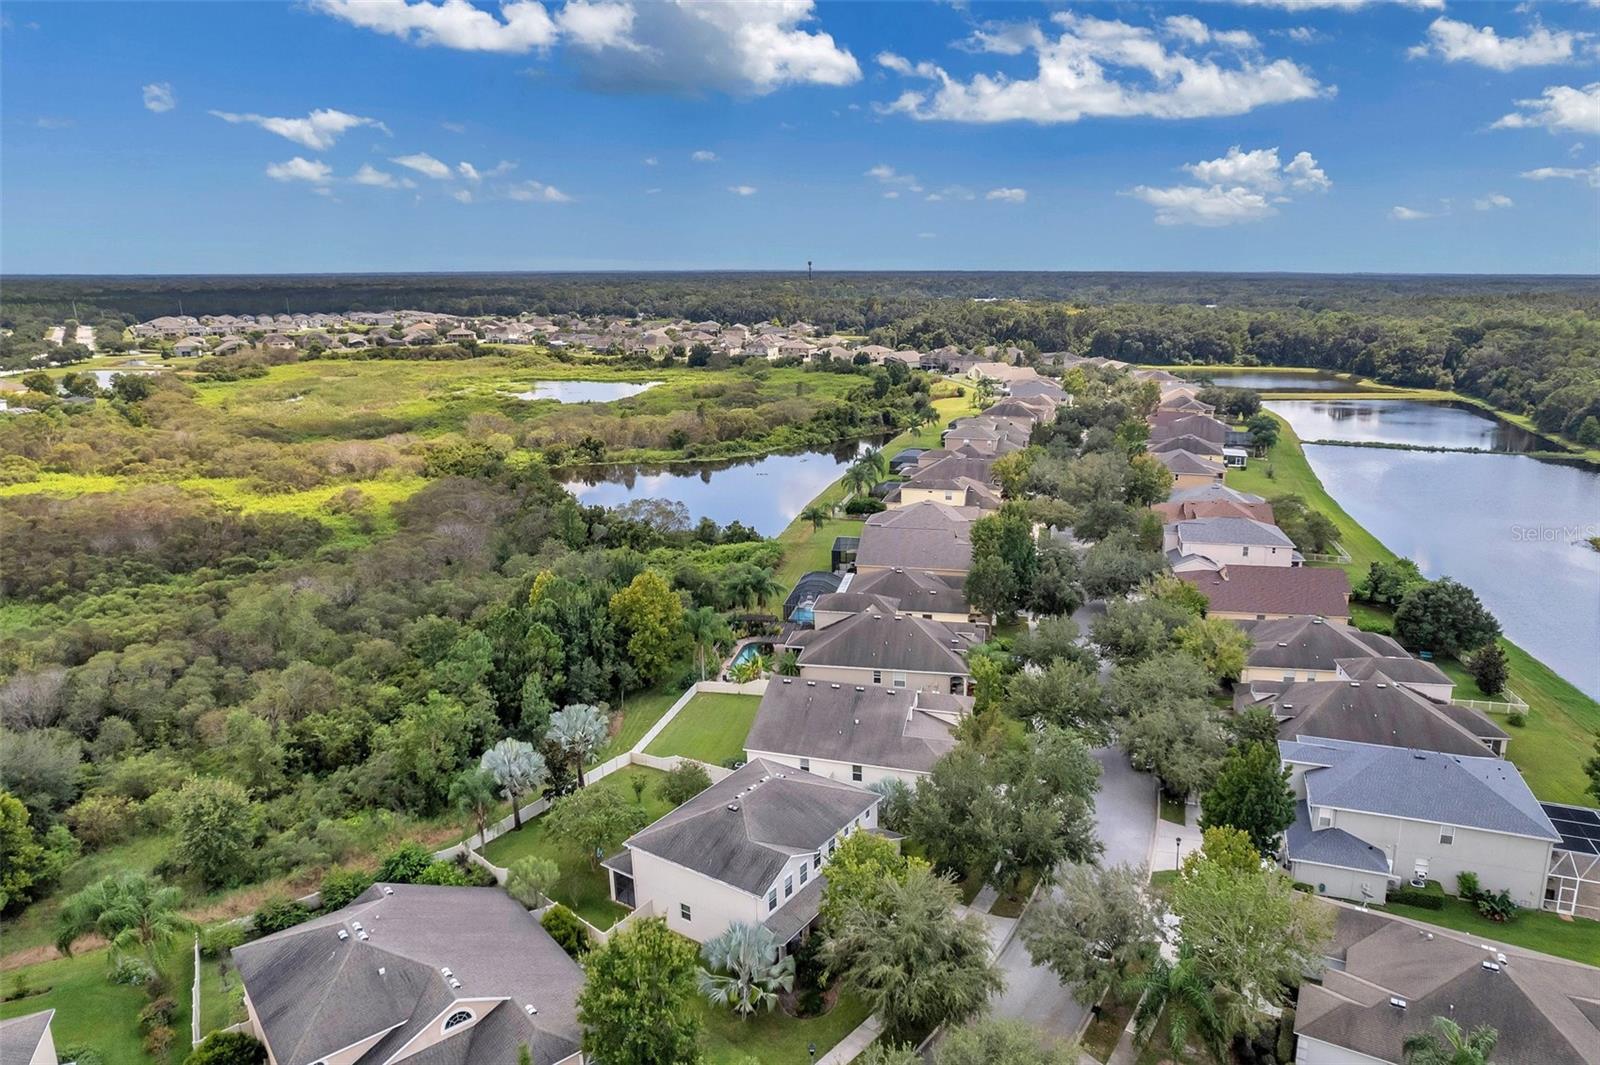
1054,682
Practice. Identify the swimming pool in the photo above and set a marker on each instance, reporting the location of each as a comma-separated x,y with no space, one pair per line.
746,653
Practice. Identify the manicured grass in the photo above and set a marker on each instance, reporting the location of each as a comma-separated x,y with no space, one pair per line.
776,1037
1172,810
1562,722
1012,902
1577,939
583,886
92,1011
221,995
643,710
711,728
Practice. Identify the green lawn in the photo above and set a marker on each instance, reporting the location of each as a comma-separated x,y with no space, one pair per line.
36,925
712,728
583,887
221,995
642,711
776,1036
1173,810
92,1011
1562,722
1577,939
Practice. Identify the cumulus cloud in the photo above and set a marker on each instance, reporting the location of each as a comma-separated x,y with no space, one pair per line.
1492,201
424,164
537,192
1590,174
754,46
1462,42
1007,195
885,174
742,190
297,169
1560,107
651,160
462,195
1339,5
380,179
1108,69
320,130
1241,186
704,156
1408,214
158,97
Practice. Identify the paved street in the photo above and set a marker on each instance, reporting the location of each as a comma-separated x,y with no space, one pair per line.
1125,813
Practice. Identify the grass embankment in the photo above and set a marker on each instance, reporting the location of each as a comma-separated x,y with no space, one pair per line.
92,1011
583,886
776,1036
1562,722
711,727
643,709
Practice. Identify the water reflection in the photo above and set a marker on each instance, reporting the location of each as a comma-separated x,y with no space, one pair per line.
1402,421
585,391
1277,381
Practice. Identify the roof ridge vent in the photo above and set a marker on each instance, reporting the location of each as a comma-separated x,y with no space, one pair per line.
733,807
343,935
1397,1002
531,1009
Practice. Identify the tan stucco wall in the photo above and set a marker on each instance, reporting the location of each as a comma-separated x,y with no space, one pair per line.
835,770
928,682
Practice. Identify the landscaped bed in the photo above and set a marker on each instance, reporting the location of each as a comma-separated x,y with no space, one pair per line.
583,886
711,728
92,1011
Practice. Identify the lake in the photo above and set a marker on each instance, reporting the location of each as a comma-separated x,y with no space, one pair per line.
1403,421
766,493
585,391
1270,381
1509,526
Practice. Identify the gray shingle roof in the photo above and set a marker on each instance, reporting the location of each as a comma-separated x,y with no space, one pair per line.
915,590
1232,531
1330,846
315,993
1187,462
1471,792
1372,711
20,1036
1213,493
1402,670
1301,590
1312,643
777,812
879,639
865,725
923,535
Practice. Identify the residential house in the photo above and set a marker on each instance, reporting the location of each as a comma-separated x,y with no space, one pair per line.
1194,445
1258,593
1387,980
1369,814
1171,423
1302,648
27,1040
1376,710
953,480
854,732
1212,543
928,536
936,596
189,346
1190,470
417,974
277,342
751,848
883,647
1213,501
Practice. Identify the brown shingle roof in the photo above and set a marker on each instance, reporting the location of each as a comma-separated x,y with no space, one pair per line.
1274,590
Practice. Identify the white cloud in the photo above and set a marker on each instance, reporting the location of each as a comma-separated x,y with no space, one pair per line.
1561,107
1191,29
381,179
462,195
951,192
753,46
888,175
1301,34
1109,69
468,171
1457,42
742,190
1407,214
453,127
537,192
704,156
1591,174
54,122
926,236
651,160
1339,5
1007,195
892,194
424,164
1492,201
158,97
297,169
1241,186
319,130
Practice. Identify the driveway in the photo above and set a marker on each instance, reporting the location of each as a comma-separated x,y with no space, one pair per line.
1125,817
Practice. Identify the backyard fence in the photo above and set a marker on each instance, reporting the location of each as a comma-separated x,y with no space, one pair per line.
1513,704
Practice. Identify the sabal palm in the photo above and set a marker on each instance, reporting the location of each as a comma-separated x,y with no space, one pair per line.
745,971
1449,1045
578,731
473,792
1180,991
875,460
707,629
128,909
859,479
518,769
817,514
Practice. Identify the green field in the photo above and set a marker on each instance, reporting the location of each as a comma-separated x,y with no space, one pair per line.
1562,722
776,1037
92,1011
711,727
583,886
643,710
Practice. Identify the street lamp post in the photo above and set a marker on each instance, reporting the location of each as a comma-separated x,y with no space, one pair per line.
1177,856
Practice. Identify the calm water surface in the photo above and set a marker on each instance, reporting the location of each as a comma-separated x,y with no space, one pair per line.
1401,421
585,391
1285,381
766,494
1509,526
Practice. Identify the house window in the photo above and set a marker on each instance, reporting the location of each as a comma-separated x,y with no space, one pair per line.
1324,819
457,1019
788,886
772,900
948,496
683,911
855,773
1288,678
899,680
1246,550
805,765
833,845
1447,835
802,873
816,860
877,676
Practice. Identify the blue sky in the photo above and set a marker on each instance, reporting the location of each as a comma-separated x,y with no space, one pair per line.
331,135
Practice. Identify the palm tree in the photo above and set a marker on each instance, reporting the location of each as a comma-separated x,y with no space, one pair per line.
128,909
473,792
787,664
748,670
707,630
1450,1045
817,514
518,769
745,971
578,731
875,460
1187,999
859,479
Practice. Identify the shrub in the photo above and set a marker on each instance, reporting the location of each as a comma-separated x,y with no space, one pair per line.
1516,719
158,1014
405,865
1467,885
81,1053
340,887
277,914
102,819
219,939
131,972
226,1048
566,929
444,874
685,782
864,505
1422,900
1496,905
158,1041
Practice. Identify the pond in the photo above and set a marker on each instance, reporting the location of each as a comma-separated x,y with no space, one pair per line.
585,391
1270,380
1509,526
1402,421
766,493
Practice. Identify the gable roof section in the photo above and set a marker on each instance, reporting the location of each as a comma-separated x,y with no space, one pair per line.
849,723
1312,643
1373,711
1299,590
914,590
20,1036
743,829
881,639
1181,462
1232,531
